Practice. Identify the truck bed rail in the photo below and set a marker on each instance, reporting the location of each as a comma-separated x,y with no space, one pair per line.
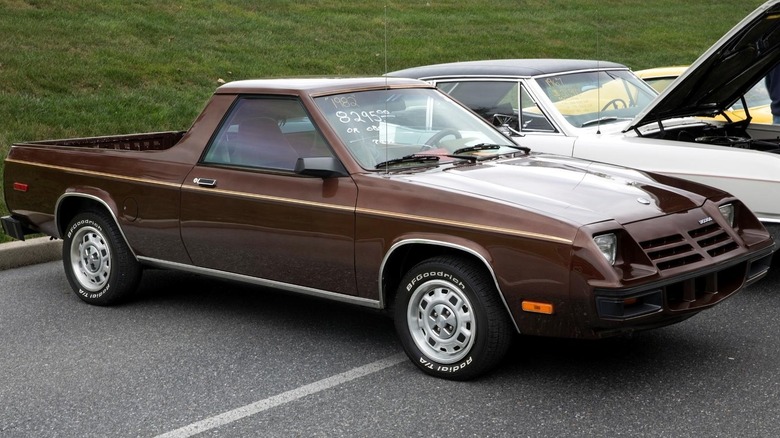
133,142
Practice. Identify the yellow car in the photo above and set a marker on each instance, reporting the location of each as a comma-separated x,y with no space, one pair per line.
660,77
757,97
581,98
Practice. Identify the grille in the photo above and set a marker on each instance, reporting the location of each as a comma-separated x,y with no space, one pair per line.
705,289
680,296
679,250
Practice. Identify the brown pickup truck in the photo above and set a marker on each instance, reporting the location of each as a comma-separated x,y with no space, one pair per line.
386,193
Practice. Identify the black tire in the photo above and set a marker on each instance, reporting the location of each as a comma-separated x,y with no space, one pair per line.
99,266
450,319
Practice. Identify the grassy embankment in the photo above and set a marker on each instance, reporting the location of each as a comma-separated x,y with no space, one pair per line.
102,67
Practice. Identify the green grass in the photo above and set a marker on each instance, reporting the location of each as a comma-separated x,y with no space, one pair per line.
102,67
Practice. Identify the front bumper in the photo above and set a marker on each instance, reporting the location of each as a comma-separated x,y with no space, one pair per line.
672,300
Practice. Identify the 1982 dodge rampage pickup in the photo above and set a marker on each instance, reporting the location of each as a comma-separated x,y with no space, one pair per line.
386,193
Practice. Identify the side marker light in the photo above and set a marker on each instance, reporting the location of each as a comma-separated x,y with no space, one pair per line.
20,187
536,307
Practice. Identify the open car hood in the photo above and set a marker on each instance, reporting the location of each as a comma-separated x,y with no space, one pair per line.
725,72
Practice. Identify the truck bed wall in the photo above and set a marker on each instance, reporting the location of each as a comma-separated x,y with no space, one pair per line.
155,141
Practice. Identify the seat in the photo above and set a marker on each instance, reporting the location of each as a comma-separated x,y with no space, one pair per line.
261,143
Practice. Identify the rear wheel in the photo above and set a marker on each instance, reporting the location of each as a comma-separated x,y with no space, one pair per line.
450,319
99,266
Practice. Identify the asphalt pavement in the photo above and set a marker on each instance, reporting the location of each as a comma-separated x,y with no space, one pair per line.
189,353
29,252
202,356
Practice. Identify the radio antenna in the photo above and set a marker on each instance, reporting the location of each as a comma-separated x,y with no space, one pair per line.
386,88
385,54
598,85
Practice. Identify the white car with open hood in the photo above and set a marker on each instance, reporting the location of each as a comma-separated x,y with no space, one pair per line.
602,111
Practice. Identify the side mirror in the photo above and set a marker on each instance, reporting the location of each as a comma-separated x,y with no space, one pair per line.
321,167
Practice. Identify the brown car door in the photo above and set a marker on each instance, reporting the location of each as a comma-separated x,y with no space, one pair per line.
245,211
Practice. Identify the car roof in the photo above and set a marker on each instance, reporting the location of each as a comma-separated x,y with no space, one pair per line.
661,72
506,68
317,86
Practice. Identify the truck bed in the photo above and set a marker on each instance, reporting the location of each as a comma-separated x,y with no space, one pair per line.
154,141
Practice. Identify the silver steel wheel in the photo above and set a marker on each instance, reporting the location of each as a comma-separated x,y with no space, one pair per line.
90,258
441,321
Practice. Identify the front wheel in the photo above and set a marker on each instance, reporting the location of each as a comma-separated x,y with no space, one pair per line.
99,266
450,319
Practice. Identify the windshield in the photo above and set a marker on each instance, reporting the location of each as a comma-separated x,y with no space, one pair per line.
758,95
384,125
587,98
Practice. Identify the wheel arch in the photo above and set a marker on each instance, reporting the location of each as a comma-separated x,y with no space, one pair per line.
404,254
71,204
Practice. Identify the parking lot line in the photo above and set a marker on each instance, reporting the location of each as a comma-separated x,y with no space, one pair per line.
285,397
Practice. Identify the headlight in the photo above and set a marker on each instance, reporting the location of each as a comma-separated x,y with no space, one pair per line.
727,210
607,244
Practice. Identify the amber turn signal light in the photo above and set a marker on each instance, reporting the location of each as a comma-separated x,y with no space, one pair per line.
536,307
630,301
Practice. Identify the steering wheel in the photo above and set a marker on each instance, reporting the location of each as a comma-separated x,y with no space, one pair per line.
614,103
436,138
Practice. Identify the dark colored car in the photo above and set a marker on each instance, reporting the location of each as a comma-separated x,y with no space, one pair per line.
386,193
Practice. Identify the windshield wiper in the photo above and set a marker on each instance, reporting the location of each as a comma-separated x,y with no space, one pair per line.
488,146
477,147
602,120
525,149
414,158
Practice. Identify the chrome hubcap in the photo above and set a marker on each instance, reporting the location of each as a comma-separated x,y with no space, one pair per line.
441,321
90,259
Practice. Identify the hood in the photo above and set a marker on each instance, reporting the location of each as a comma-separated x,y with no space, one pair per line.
572,190
723,73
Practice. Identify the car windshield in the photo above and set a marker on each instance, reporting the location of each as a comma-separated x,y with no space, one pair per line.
394,127
758,95
587,98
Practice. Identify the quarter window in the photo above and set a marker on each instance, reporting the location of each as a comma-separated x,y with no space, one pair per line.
500,102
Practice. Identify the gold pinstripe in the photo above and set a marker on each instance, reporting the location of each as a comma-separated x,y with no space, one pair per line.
469,225
271,198
95,173
279,199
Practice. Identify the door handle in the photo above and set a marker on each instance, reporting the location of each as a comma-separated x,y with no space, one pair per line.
205,182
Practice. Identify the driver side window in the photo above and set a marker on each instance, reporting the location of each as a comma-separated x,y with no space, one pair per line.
267,133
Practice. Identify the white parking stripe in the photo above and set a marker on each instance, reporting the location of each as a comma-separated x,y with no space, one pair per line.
285,397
